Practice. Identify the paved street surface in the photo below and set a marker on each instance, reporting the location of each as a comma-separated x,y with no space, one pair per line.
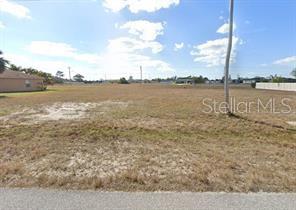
71,200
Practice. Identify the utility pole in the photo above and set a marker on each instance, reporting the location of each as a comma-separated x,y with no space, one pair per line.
228,57
141,74
70,73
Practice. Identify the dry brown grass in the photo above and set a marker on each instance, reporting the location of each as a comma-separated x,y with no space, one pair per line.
161,141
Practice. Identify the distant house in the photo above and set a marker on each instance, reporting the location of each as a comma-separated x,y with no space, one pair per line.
185,80
13,81
253,80
215,81
135,81
166,82
249,81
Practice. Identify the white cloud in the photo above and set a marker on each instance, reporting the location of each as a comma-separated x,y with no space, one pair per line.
286,61
115,5
127,44
122,57
178,46
54,49
87,57
119,45
120,64
52,67
2,25
224,29
51,49
30,62
136,6
16,59
146,30
15,9
213,52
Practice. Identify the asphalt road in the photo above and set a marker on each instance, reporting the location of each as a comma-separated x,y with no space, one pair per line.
72,200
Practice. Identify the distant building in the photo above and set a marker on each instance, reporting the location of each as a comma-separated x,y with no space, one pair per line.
253,80
166,82
184,80
249,81
13,81
215,81
135,81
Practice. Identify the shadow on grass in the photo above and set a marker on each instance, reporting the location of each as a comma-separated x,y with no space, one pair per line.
49,90
260,122
27,92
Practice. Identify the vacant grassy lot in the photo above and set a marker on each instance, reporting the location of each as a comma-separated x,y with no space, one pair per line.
145,137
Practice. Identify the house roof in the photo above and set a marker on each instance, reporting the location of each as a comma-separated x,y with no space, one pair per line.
8,74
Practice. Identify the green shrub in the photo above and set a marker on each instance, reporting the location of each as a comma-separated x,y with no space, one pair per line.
123,81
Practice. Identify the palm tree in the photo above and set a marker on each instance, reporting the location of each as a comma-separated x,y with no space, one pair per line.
3,63
228,57
13,67
78,78
59,74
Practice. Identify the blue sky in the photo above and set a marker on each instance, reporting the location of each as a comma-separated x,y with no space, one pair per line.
112,38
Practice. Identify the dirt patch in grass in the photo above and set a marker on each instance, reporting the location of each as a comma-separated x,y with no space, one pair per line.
293,123
61,112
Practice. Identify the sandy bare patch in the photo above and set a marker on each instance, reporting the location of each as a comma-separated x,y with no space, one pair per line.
293,123
61,111
154,123
105,161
